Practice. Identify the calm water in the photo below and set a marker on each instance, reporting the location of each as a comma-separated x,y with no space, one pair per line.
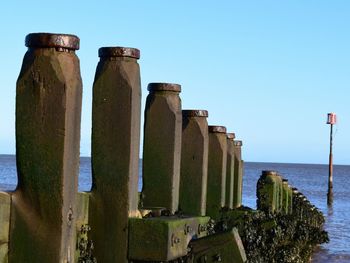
310,179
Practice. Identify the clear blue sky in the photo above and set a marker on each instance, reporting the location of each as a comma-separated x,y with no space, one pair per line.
267,70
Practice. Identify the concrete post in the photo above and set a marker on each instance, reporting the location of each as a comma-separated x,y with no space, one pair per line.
48,108
296,201
280,192
194,162
290,199
286,200
216,171
115,151
162,146
268,192
230,170
238,175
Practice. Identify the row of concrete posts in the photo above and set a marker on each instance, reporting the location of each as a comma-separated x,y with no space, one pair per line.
275,195
189,168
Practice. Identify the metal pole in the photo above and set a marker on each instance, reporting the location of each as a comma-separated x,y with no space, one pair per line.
330,175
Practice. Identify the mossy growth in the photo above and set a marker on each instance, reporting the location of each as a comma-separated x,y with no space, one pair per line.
276,237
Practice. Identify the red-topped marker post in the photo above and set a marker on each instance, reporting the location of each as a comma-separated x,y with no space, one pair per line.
331,120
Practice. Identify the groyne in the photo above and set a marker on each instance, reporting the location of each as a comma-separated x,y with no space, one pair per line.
190,208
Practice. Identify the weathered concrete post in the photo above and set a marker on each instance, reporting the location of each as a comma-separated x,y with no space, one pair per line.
216,171
296,203
162,146
280,192
115,151
194,162
230,170
48,107
268,192
286,201
290,198
238,175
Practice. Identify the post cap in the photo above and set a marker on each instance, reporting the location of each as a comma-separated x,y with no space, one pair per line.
238,143
118,52
216,129
50,40
164,87
194,113
231,135
269,172
284,180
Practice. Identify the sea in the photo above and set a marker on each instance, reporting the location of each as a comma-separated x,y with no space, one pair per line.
310,179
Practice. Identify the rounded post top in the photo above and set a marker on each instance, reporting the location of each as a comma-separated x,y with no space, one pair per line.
238,143
269,172
216,129
194,113
156,86
231,136
106,52
51,40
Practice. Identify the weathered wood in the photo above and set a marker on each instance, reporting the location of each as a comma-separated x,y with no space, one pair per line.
162,146
194,162
216,171
48,110
115,151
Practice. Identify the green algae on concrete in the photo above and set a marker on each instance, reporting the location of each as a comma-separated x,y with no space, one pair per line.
238,174
290,200
230,172
5,208
162,147
277,237
48,110
268,192
286,201
115,151
216,171
280,192
194,162
163,238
